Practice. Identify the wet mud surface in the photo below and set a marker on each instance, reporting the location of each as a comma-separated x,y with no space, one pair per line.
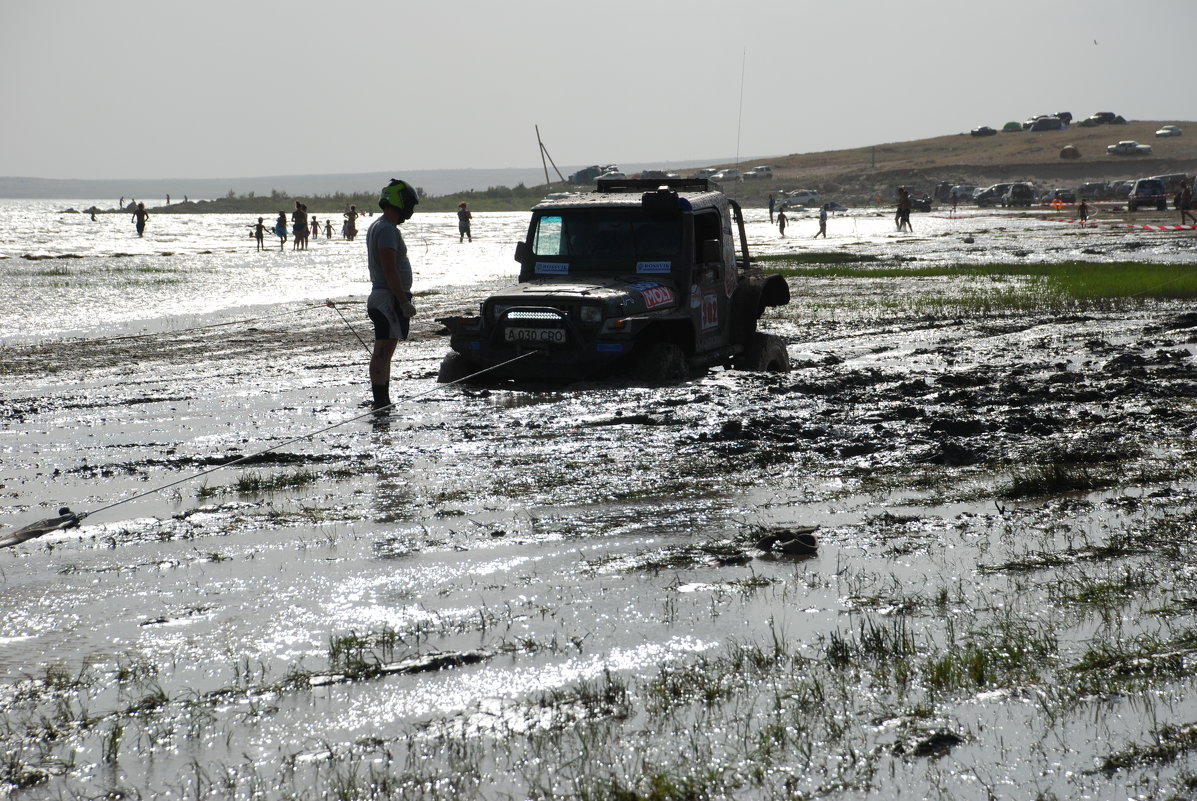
593,591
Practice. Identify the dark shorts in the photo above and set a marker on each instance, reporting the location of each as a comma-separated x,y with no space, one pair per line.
389,322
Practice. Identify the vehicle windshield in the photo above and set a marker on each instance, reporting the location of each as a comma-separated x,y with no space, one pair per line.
627,235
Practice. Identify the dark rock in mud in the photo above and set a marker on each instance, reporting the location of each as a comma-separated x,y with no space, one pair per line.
949,453
958,427
928,744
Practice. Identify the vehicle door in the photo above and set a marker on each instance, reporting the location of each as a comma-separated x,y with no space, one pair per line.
714,277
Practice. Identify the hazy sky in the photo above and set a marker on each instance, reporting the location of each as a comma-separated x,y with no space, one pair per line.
232,88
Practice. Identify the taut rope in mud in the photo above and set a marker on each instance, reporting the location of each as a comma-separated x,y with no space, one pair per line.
68,519
216,325
334,307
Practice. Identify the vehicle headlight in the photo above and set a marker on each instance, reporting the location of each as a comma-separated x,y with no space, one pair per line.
591,314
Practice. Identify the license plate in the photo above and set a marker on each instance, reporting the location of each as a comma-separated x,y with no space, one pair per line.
536,336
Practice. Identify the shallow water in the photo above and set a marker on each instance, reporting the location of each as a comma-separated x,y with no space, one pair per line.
594,544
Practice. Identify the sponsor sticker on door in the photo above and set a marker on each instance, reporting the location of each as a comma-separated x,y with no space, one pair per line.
710,311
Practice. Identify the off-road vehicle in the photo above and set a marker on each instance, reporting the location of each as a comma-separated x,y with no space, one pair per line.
650,279
1148,192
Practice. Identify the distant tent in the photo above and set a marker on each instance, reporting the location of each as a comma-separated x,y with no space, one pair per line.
1069,152
1012,126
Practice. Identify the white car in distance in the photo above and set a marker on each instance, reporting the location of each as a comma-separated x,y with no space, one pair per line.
1129,147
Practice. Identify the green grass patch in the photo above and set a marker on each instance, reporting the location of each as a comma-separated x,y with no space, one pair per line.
1078,280
261,484
1170,743
816,257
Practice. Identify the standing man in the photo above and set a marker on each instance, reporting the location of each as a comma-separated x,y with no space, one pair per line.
903,215
463,222
140,215
772,203
781,220
822,232
389,304
1185,201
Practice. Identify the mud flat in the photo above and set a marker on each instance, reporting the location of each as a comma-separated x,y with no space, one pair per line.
502,592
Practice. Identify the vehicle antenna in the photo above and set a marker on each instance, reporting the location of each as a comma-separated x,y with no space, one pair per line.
740,117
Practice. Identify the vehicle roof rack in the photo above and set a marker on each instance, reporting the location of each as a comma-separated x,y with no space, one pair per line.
612,185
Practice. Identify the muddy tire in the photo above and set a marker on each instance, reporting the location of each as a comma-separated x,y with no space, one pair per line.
454,367
764,353
659,363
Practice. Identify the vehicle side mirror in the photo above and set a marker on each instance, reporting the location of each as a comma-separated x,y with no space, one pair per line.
710,250
522,251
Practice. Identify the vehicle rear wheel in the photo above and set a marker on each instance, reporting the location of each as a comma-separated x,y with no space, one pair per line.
455,367
660,362
764,353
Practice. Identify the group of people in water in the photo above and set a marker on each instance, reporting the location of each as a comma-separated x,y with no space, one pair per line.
302,229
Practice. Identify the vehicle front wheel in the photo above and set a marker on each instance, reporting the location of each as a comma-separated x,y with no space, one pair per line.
660,362
455,367
764,353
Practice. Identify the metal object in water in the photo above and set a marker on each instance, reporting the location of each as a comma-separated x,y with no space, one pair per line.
66,519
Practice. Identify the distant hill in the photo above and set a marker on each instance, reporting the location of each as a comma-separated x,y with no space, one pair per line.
433,182
851,175
857,174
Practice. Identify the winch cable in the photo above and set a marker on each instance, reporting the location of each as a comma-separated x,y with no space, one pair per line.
68,519
332,305
216,325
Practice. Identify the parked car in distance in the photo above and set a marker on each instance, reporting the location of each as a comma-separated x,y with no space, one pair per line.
729,174
1019,194
1129,147
1060,194
963,193
1169,130
705,172
920,201
1148,192
1121,189
760,171
609,174
1046,124
798,197
983,130
1102,117
991,195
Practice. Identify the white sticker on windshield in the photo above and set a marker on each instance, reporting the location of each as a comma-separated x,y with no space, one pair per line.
653,267
552,268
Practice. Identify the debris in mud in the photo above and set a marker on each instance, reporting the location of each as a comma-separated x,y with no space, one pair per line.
416,664
66,519
791,542
933,743
678,557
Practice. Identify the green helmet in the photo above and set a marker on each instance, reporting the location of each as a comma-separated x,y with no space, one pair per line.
400,195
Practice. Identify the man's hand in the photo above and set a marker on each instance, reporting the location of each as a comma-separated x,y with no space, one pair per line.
407,308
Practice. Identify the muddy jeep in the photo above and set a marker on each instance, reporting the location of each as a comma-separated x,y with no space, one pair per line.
649,279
